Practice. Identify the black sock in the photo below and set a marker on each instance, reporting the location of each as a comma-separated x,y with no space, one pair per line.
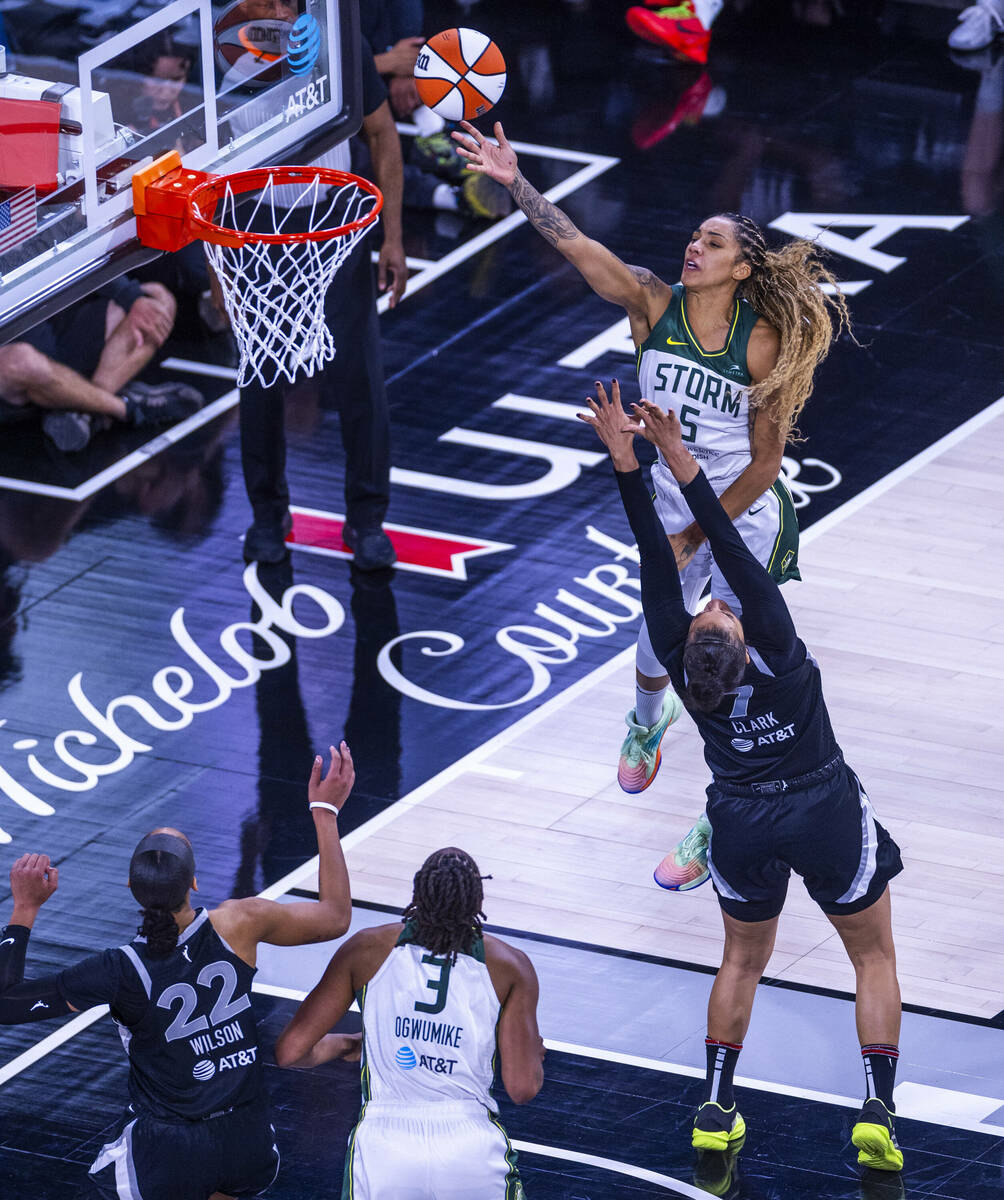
722,1059
880,1072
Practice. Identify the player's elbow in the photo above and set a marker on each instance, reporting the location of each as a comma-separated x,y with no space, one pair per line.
287,1052
523,1087
333,921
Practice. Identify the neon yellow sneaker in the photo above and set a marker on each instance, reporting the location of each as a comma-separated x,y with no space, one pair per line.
875,1137
686,865
640,750
717,1128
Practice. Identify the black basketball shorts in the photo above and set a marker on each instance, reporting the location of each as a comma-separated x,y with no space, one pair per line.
822,826
151,1159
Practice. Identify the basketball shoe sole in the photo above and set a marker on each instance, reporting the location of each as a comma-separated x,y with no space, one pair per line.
717,1128
686,865
641,753
874,1136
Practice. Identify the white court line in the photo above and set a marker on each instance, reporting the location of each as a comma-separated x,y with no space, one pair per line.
474,758
124,465
46,1046
677,1186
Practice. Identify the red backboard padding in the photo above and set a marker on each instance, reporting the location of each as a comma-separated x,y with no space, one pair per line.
29,143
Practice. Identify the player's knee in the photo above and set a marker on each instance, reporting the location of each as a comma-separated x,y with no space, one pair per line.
24,366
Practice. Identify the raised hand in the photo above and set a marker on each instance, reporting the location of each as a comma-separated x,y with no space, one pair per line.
497,162
663,430
32,881
334,788
612,425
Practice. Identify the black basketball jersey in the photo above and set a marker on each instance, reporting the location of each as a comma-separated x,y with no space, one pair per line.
185,1020
774,726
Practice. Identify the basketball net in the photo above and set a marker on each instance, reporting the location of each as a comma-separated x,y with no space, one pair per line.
274,292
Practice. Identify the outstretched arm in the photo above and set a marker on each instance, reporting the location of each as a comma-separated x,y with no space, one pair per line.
661,594
635,289
306,1042
245,923
766,619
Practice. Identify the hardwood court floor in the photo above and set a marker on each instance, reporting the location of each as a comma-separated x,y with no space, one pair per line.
912,653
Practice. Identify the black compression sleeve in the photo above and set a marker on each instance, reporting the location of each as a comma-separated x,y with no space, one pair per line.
13,948
36,1000
766,620
661,595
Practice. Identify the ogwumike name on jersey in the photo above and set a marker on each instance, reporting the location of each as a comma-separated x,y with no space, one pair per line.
419,1029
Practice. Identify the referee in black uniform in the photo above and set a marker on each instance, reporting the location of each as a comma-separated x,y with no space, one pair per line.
781,796
197,1126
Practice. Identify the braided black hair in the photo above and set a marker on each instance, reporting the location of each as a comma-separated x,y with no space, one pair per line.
445,910
161,871
715,664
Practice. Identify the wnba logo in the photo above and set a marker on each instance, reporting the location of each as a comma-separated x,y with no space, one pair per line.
405,1059
304,44
204,1070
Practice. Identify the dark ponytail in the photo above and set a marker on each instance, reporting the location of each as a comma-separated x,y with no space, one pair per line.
160,930
161,871
714,665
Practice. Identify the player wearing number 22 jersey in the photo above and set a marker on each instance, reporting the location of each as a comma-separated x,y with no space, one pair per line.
439,1001
197,1125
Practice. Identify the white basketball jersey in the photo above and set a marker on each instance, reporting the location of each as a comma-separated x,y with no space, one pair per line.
429,1029
708,393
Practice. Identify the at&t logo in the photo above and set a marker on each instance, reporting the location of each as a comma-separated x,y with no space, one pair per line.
304,45
405,1058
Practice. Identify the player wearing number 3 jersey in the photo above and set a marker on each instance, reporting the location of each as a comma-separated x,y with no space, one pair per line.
438,1000
731,349
197,1126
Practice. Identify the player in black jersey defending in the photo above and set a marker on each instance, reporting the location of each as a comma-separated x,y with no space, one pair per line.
197,1125
781,795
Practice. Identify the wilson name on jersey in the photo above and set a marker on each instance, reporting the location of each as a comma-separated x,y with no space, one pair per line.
707,391
429,1028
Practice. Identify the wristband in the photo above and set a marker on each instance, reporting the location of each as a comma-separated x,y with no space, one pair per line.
322,804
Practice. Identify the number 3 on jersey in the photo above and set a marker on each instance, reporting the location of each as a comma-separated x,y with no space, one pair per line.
439,986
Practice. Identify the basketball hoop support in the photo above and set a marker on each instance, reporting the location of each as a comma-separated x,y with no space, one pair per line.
160,195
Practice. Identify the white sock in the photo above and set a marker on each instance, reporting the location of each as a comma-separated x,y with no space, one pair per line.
707,10
445,197
647,705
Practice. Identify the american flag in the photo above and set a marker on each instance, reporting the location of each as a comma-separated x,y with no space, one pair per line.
18,218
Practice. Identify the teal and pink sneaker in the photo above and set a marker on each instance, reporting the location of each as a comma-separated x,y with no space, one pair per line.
686,865
640,753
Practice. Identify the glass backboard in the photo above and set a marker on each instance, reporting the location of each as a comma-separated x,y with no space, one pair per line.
116,85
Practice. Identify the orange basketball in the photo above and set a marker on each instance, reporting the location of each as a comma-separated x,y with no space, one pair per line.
460,74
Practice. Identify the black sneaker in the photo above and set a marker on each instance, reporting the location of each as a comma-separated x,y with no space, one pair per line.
68,430
161,403
717,1128
265,541
484,198
371,548
874,1135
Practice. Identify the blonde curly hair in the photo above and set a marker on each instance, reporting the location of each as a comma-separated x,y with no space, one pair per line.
785,288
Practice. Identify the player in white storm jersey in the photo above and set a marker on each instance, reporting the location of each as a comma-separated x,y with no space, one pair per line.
731,349
439,999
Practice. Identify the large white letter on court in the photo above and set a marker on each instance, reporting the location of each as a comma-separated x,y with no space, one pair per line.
877,227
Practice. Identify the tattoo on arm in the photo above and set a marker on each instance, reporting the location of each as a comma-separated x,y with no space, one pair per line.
644,276
549,221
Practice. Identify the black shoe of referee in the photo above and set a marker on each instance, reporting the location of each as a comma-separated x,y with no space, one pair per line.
161,403
265,541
